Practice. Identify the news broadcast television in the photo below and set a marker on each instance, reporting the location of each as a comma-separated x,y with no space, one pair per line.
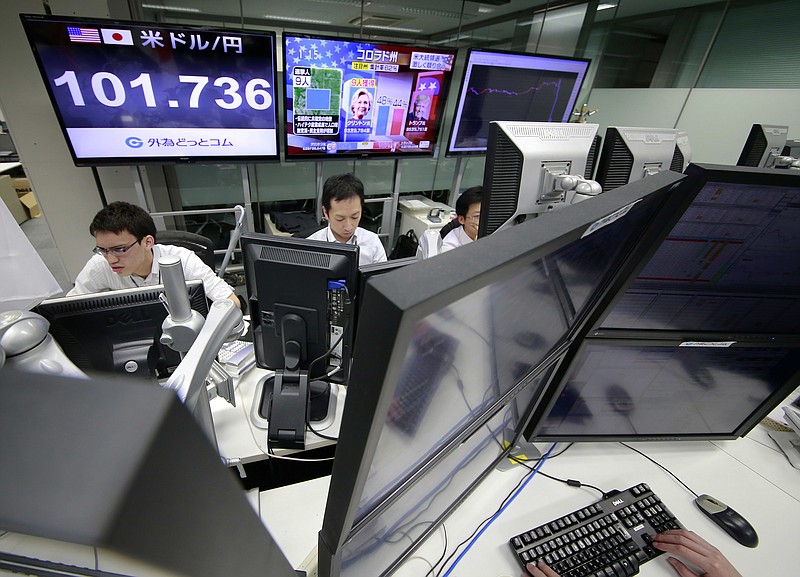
533,168
763,146
356,97
630,153
704,340
300,300
145,92
117,332
450,355
513,86
110,464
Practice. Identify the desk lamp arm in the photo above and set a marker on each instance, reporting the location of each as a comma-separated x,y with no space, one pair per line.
189,379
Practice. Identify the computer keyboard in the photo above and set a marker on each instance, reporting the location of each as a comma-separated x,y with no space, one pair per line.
610,538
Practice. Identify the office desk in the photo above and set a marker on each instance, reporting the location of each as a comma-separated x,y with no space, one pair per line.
414,214
240,441
753,478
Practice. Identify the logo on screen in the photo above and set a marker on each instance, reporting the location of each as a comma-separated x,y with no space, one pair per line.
134,142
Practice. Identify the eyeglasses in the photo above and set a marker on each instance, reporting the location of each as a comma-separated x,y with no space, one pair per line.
473,218
116,251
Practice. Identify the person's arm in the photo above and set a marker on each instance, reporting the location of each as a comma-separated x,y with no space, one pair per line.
697,551
89,280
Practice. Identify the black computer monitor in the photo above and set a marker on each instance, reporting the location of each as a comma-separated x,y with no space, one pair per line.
117,331
534,168
704,339
631,153
449,355
111,464
300,295
763,146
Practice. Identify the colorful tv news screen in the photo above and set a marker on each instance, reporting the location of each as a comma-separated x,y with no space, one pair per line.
354,97
513,86
135,92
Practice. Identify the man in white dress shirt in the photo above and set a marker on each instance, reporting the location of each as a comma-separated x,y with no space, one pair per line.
342,205
126,256
468,211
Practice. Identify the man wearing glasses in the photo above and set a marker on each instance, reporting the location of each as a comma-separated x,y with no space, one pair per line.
468,211
126,256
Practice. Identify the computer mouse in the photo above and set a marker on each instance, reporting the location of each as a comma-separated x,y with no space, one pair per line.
731,522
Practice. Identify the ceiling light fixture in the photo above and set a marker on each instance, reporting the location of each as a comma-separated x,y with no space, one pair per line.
292,19
605,6
395,28
170,8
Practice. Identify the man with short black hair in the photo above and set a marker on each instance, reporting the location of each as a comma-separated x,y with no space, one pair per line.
342,206
126,256
468,209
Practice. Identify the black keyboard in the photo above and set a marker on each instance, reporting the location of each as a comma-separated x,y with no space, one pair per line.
610,538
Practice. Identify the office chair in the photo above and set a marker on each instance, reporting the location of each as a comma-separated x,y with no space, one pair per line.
305,233
199,244
448,227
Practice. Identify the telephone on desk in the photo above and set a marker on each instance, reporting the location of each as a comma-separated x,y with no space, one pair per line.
435,215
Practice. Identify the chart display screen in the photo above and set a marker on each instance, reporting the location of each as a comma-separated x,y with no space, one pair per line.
352,97
512,86
132,92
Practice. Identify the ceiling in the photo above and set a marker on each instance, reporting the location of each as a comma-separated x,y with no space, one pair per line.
451,22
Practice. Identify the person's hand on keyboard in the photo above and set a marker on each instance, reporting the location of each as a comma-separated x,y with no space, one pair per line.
540,570
696,550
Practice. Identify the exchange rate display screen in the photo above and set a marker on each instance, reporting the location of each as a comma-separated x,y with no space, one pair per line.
133,92
353,97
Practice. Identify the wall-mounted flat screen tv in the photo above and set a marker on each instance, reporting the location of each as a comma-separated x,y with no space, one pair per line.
499,85
354,97
136,92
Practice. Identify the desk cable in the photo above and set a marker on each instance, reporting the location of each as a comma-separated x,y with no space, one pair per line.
486,523
661,466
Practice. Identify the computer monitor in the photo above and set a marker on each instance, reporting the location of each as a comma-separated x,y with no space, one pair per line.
300,295
533,168
763,146
111,464
631,153
117,331
703,339
512,86
449,354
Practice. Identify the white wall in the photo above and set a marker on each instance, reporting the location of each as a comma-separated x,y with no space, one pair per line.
717,120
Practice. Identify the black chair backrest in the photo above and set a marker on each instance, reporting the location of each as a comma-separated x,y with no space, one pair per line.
309,231
449,226
199,244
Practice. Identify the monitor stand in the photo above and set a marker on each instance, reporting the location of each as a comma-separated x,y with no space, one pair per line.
285,399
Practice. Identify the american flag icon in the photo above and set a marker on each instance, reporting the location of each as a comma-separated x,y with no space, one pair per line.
90,35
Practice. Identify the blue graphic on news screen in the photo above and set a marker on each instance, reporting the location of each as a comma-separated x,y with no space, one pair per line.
147,76
359,94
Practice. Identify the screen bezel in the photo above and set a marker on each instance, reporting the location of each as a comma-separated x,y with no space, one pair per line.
456,118
363,154
33,19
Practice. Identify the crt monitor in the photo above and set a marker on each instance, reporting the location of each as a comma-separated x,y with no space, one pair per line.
155,92
704,338
359,97
300,295
763,146
512,86
533,168
121,480
117,331
449,354
631,153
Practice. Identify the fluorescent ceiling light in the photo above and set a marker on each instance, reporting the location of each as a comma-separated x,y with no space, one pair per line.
395,28
291,19
170,8
605,6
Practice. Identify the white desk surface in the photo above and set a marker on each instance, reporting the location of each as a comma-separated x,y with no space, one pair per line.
751,475
241,441
6,166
